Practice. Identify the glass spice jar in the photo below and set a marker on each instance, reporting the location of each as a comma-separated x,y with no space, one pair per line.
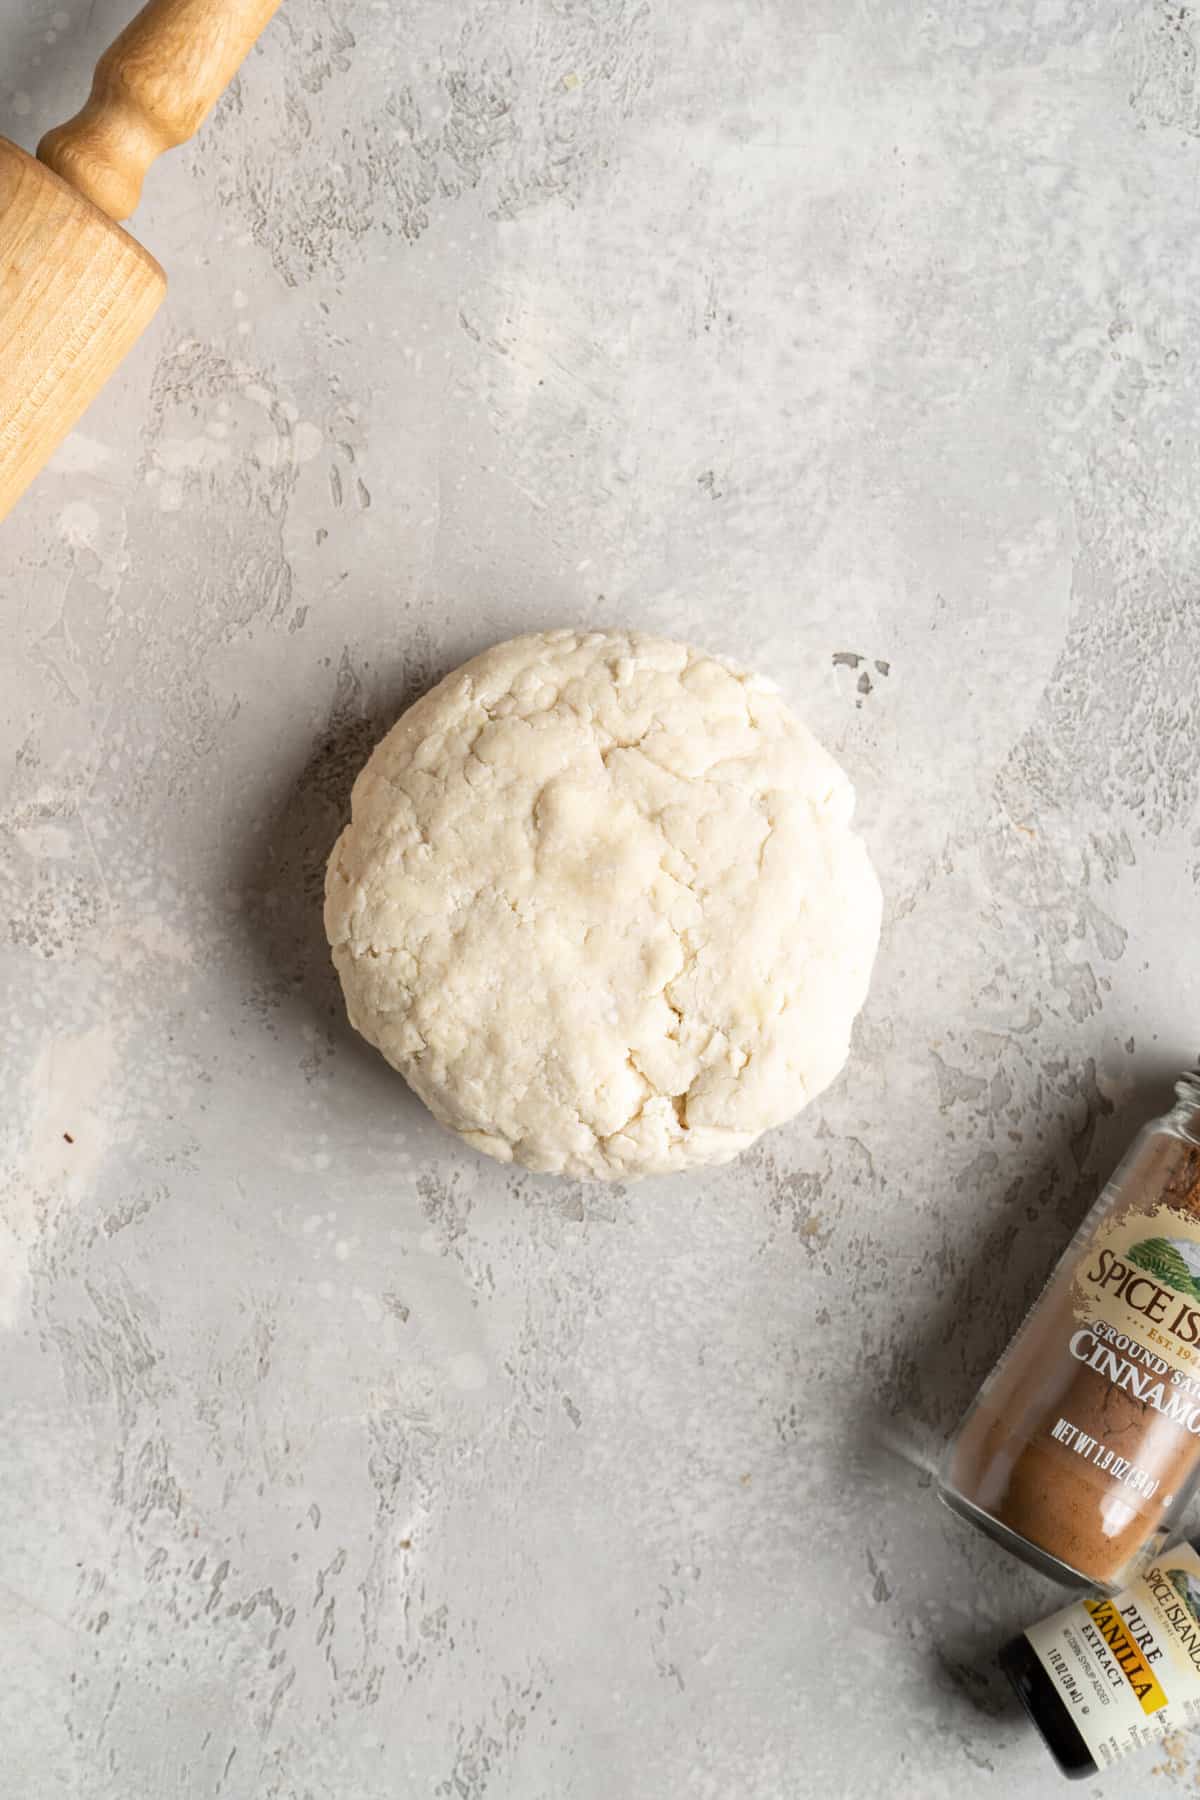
1084,1442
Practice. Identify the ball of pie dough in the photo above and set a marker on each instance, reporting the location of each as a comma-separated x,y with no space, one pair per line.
601,905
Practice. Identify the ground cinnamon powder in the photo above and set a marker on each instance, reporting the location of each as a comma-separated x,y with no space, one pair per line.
1086,1437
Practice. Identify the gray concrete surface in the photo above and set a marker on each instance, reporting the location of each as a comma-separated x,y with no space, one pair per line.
858,342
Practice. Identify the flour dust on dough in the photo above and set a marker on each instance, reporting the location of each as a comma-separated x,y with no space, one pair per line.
601,905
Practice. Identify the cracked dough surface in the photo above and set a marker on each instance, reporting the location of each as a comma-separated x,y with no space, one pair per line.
601,905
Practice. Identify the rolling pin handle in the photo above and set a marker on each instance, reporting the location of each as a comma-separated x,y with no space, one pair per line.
152,89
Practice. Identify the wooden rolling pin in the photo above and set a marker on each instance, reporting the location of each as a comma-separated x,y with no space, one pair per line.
76,292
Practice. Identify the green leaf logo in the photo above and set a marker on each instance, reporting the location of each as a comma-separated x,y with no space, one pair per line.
1188,1589
1173,1262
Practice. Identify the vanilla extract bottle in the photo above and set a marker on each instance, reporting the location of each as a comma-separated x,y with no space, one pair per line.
1109,1675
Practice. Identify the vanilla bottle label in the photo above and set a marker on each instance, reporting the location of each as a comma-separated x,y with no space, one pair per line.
1127,1668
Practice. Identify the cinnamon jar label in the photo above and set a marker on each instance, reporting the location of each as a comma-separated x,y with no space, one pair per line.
1137,1302
1128,1667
